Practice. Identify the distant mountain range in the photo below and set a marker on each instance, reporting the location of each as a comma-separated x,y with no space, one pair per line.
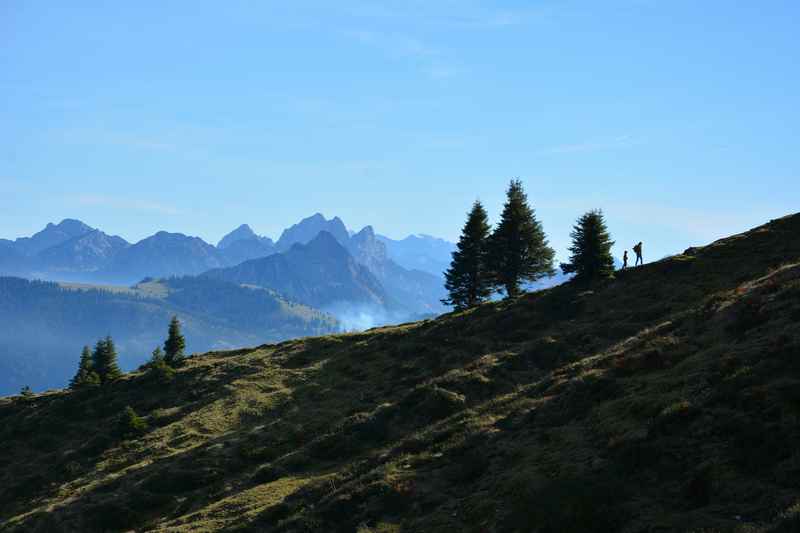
72,250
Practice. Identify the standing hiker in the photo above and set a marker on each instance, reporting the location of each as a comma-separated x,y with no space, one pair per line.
625,260
638,251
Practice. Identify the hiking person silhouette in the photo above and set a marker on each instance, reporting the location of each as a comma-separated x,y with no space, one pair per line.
625,260
638,251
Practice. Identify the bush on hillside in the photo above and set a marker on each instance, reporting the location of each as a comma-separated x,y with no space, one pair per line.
432,402
269,473
130,424
160,372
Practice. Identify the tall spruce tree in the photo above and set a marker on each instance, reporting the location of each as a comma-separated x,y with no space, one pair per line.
591,258
85,376
175,344
105,362
518,249
468,281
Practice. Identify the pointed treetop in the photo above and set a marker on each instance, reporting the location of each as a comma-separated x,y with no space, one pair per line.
519,251
468,280
175,344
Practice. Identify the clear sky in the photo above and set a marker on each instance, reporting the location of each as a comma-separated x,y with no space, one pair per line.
678,117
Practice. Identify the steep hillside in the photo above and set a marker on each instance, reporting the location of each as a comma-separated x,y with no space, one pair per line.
666,400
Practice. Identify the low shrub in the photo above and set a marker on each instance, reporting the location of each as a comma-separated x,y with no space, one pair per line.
433,403
269,473
160,372
130,424
296,462
545,353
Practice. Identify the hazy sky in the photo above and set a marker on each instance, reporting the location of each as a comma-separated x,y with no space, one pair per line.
679,118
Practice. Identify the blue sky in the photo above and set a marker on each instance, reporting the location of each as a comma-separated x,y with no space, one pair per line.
678,118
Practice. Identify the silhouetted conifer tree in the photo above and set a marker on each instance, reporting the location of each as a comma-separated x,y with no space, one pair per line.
518,249
175,343
468,280
157,357
591,249
104,359
85,376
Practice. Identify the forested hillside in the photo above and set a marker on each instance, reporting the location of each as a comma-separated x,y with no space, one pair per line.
666,399
45,324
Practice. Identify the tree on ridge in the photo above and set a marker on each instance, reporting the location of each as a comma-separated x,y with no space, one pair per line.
591,257
518,248
468,281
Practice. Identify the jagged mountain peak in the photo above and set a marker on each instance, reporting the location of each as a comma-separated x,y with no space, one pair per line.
72,225
308,228
366,231
243,232
52,235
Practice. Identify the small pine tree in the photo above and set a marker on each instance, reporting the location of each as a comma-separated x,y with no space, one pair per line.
158,368
467,280
175,344
129,423
591,258
26,392
85,376
518,249
157,357
105,362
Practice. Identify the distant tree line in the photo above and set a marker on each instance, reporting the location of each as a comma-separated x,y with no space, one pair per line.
99,366
517,252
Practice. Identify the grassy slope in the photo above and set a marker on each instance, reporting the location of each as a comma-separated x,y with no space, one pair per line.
668,400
